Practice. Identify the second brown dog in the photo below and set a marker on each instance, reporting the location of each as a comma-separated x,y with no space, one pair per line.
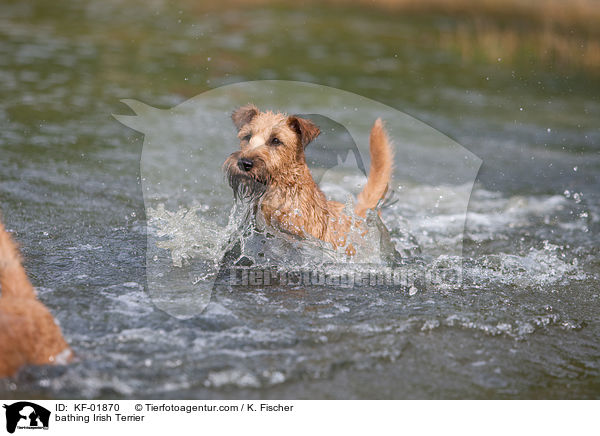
28,332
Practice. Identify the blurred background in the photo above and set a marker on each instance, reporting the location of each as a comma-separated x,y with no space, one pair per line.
472,69
516,82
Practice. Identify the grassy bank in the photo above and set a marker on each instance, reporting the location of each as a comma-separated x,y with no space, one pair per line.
557,33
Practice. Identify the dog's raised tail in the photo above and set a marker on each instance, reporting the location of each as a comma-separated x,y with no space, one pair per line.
13,278
380,172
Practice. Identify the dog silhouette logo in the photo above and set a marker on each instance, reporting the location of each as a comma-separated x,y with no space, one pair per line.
26,415
193,227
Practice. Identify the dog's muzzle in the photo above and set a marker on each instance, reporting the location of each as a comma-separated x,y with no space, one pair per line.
245,184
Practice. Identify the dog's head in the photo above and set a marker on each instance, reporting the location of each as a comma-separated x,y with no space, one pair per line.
271,150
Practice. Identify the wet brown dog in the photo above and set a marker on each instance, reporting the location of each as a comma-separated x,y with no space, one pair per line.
270,169
28,332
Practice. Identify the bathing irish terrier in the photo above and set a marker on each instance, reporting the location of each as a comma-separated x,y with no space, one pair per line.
270,169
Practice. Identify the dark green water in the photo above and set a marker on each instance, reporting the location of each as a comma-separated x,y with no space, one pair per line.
523,325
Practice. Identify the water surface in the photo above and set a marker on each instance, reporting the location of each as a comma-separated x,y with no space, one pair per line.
524,323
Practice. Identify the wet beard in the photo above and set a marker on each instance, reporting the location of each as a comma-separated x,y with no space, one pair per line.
245,188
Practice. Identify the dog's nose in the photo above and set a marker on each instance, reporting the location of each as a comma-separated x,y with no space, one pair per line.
245,164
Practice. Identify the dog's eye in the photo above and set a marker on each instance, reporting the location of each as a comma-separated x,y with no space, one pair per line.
275,141
247,138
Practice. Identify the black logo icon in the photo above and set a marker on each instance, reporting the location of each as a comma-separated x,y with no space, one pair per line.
26,415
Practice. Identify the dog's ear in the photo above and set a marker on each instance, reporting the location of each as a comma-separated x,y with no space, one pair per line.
305,129
243,115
